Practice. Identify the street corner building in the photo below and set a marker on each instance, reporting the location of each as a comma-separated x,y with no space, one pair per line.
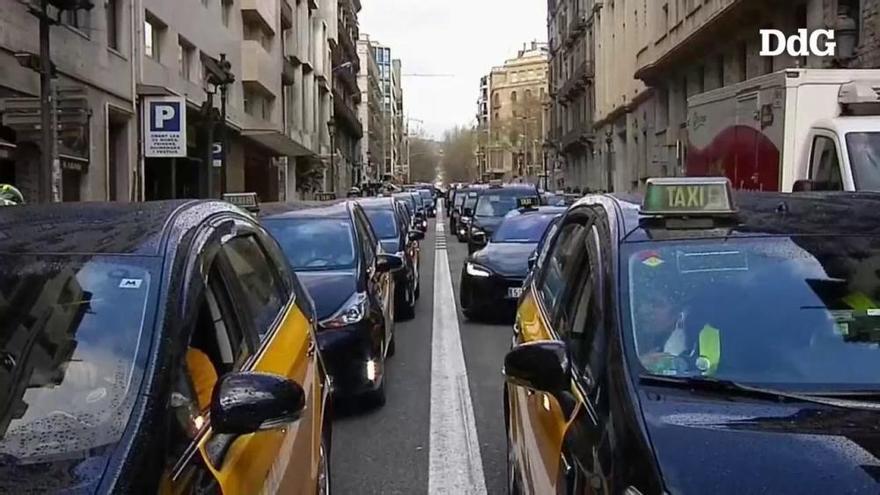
250,86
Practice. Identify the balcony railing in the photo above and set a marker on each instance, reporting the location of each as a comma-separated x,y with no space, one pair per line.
579,137
345,116
578,81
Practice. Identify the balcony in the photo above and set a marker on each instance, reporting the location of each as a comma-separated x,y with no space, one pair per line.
259,11
575,85
578,138
288,72
257,67
345,116
345,39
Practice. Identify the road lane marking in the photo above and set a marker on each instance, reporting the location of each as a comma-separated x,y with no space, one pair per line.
455,465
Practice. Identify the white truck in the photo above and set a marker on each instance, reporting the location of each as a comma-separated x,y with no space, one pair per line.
798,129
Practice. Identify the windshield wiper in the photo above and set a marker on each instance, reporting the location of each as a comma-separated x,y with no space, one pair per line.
710,384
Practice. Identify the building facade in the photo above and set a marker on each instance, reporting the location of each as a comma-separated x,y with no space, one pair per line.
401,127
650,57
517,93
391,160
113,58
371,111
92,51
347,164
482,138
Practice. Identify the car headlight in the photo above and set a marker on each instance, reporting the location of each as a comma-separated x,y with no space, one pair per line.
353,311
476,230
466,220
632,491
477,270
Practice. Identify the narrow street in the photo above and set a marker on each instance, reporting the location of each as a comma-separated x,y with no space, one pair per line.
388,450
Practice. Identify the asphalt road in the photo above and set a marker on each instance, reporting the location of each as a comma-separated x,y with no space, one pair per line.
386,451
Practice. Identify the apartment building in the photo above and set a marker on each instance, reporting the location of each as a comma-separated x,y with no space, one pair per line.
97,140
401,127
517,94
389,83
482,138
346,97
571,28
370,111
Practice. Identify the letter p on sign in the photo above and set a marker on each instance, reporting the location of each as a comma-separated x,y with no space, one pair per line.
165,116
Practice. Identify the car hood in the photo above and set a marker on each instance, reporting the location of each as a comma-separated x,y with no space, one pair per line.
704,445
508,259
65,476
488,224
329,290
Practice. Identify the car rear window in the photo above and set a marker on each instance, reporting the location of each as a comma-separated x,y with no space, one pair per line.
315,243
383,221
523,228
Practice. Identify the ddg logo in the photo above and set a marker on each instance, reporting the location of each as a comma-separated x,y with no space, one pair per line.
819,43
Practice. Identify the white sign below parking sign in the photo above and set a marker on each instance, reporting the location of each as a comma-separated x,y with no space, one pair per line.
164,126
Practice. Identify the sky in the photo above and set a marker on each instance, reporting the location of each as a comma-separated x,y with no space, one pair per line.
462,38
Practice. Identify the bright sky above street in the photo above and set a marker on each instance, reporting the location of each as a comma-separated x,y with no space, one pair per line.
464,38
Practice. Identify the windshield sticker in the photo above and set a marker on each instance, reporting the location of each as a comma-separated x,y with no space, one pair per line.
713,261
651,259
130,283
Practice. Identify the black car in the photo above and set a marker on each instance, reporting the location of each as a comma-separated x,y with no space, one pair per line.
129,335
417,219
389,222
492,278
338,257
429,200
694,341
492,205
464,214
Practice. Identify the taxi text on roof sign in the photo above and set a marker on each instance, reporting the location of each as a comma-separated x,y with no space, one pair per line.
526,202
688,196
247,201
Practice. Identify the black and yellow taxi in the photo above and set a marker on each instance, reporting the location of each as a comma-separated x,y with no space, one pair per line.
155,347
694,341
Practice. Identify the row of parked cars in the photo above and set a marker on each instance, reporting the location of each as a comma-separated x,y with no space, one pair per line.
143,346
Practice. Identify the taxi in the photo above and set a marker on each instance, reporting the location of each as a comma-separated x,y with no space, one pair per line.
694,341
161,347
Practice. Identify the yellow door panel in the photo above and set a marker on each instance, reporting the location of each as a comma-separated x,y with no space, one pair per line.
284,459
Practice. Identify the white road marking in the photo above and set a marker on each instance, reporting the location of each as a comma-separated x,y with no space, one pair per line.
455,465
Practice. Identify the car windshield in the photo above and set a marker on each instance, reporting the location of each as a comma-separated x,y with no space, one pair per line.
864,157
523,228
459,200
800,313
469,202
315,244
71,332
496,205
384,223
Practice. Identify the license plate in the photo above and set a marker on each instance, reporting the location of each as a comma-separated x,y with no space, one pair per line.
514,292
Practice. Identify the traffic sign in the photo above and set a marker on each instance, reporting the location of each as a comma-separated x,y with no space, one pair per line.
164,126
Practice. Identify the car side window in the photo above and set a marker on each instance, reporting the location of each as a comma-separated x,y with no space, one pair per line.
262,291
367,237
825,165
587,303
562,260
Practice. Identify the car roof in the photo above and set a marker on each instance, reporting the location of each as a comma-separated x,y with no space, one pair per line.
508,189
376,203
315,209
540,210
771,214
96,228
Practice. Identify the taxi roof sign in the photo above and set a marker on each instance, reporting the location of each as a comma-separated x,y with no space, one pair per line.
688,196
325,196
247,200
526,202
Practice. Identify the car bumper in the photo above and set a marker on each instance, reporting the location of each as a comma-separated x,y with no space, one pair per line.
489,293
346,352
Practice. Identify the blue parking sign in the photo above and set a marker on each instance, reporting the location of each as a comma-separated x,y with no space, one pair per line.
164,126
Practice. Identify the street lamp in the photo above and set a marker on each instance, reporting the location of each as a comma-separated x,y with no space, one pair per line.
331,130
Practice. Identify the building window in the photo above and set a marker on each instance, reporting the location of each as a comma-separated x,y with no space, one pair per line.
721,75
185,55
226,11
152,38
79,19
743,61
513,96
112,14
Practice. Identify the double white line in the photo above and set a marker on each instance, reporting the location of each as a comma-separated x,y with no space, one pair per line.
455,464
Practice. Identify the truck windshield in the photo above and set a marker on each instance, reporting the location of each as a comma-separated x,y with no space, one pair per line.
864,158
791,313
70,330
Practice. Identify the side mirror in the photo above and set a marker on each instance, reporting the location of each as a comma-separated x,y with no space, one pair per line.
468,212
533,258
541,365
479,238
416,235
248,402
804,185
388,263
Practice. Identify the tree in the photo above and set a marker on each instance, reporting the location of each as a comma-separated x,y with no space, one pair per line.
459,160
424,159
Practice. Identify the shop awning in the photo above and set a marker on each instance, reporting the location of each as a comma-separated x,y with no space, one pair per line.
277,142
